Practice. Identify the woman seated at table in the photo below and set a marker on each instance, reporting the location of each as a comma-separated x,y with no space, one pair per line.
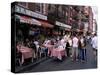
52,42
27,43
47,41
43,51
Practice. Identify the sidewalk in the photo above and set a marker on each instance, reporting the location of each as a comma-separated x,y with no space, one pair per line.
24,68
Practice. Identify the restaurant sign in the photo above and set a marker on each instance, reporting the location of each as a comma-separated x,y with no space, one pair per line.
25,11
63,25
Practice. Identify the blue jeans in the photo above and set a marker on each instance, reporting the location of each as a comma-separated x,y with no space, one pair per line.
82,54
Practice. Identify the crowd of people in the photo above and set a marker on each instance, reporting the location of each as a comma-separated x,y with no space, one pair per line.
75,46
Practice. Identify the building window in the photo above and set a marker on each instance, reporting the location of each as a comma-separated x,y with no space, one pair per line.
39,8
23,4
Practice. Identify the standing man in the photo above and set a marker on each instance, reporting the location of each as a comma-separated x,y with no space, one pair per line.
75,48
94,43
83,48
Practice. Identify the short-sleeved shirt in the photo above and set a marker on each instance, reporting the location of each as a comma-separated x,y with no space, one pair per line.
94,42
75,42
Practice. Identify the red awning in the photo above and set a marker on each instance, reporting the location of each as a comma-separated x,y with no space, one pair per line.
46,24
25,19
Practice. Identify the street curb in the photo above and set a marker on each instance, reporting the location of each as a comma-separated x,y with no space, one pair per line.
30,65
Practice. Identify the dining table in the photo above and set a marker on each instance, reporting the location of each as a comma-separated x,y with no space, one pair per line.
26,53
50,47
58,53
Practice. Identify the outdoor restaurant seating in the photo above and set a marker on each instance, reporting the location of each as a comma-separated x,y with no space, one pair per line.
39,50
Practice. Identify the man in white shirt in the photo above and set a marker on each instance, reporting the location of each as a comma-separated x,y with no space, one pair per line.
75,48
94,43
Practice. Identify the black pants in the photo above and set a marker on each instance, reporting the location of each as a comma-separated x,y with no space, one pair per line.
67,51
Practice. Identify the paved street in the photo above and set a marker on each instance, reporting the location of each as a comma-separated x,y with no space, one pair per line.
66,64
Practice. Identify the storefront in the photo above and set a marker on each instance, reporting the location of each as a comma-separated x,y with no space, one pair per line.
63,28
47,28
29,23
24,25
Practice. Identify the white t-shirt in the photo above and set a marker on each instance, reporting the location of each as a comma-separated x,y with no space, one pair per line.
82,40
37,44
94,42
70,42
75,42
